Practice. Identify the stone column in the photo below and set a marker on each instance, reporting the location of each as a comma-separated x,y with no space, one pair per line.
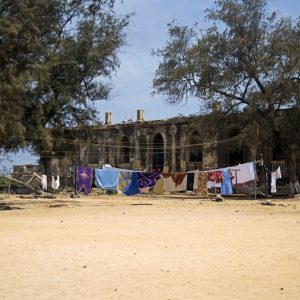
136,154
173,153
183,151
149,151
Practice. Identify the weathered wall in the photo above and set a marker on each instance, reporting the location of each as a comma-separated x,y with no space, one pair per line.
166,142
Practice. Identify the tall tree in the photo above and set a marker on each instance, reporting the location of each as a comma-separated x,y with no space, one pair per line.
247,61
56,61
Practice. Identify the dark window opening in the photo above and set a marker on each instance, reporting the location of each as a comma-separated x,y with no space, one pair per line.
196,154
125,150
158,152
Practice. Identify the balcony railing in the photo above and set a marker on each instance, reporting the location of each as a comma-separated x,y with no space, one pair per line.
190,166
275,164
125,166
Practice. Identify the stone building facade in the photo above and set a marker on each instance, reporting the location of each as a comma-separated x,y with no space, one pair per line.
175,144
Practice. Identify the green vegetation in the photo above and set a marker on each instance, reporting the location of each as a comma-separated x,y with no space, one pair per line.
247,61
56,61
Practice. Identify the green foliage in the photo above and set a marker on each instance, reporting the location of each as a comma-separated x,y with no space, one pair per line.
248,61
56,60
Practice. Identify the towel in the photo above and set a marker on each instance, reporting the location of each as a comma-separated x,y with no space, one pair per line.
107,179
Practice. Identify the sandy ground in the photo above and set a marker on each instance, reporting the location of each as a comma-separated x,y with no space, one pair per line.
113,247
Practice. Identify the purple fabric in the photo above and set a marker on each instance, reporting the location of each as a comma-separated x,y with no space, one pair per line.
84,179
148,179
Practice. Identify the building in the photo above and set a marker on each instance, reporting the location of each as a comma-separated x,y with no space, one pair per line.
175,144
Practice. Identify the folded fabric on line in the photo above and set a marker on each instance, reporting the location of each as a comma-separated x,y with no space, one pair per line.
148,180
107,179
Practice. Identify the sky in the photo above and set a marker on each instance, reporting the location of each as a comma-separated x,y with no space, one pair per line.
146,32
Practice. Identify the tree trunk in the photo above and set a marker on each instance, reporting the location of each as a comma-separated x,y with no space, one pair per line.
290,161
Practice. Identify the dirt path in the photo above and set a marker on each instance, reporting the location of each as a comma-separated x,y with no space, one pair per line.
112,248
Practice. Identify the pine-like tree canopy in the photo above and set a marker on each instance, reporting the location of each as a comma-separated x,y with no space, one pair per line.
247,61
56,60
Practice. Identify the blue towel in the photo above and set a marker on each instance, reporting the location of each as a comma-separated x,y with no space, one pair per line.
107,179
134,187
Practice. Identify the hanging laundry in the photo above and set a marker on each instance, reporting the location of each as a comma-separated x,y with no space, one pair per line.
125,180
44,182
159,187
190,181
84,179
274,176
107,179
177,178
148,180
243,177
175,182
226,186
202,184
268,179
169,184
243,173
134,187
55,182
195,184
214,179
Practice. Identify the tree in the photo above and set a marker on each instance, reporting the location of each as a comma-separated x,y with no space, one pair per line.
247,61
56,61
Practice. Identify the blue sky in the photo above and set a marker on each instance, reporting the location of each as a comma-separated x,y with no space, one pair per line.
147,31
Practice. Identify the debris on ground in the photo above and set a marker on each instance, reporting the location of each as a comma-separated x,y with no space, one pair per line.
283,204
268,202
73,195
219,198
8,207
57,205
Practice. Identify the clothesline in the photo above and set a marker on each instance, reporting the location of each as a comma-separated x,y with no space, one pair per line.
120,144
131,182
117,179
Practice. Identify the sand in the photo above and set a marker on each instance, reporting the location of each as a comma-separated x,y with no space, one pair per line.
108,247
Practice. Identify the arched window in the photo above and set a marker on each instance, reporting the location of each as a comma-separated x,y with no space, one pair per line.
196,154
236,153
158,152
125,151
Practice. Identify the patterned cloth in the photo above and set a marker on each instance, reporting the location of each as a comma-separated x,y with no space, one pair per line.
148,179
84,179
177,178
125,180
215,176
170,185
202,185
